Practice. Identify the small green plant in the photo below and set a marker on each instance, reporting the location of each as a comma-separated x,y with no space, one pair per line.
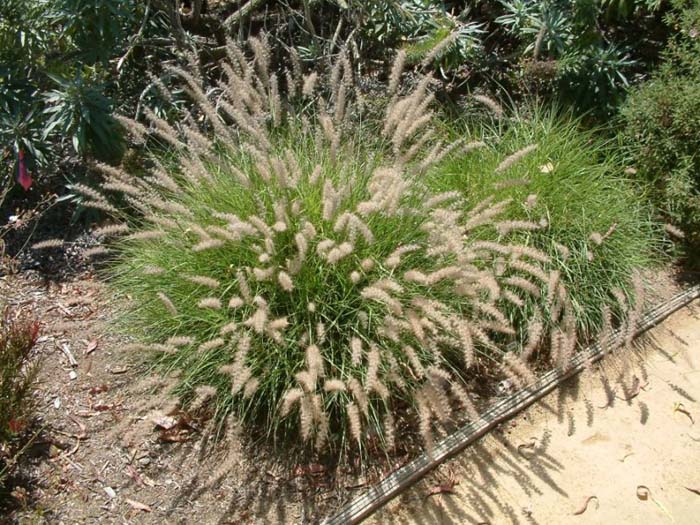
600,228
95,27
616,9
79,110
590,70
299,274
662,128
17,373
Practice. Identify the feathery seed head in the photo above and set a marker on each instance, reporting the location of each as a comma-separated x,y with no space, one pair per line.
210,302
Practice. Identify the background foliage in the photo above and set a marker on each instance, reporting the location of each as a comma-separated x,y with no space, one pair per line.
67,64
662,127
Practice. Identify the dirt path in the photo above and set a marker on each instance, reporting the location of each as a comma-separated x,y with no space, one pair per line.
632,443
86,467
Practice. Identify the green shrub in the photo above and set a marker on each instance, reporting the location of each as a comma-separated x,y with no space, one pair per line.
422,27
57,82
94,27
80,111
17,373
583,52
662,128
576,181
301,268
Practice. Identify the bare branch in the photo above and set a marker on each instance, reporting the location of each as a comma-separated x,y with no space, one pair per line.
244,11
176,24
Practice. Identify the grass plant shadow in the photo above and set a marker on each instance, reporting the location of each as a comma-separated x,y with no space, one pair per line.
518,457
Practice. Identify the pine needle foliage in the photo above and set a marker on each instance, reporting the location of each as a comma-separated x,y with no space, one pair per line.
304,269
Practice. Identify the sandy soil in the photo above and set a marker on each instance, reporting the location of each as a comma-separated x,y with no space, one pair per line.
627,433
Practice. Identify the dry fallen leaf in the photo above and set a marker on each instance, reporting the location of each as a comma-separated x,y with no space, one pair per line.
643,492
312,468
442,488
91,347
678,407
625,457
165,422
547,168
448,487
583,507
138,505
529,447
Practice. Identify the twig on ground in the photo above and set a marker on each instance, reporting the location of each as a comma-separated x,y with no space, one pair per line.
583,507
69,355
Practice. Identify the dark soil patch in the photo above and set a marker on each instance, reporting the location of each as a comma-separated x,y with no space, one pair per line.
41,213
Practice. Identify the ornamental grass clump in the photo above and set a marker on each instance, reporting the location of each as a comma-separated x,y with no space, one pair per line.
601,229
298,273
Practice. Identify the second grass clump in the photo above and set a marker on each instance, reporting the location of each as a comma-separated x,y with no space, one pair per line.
600,226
